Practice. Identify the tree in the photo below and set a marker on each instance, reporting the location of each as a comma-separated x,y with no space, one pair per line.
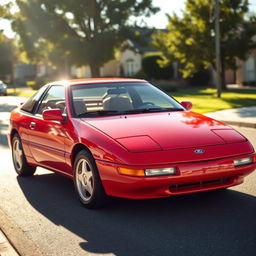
6,59
6,48
190,39
82,31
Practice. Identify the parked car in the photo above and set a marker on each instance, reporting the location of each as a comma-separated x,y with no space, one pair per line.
3,88
125,138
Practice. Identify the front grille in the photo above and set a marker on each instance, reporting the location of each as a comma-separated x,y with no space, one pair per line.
199,184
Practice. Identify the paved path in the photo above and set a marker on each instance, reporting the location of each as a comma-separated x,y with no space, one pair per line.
245,117
5,247
6,105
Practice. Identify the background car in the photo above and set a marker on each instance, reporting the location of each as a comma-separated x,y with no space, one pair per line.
3,88
125,138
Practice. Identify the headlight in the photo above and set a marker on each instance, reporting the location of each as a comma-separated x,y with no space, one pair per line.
147,172
160,171
243,161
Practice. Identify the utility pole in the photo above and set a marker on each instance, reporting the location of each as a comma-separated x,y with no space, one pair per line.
217,46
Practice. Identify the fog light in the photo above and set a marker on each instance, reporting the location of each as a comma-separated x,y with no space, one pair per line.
243,161
160,171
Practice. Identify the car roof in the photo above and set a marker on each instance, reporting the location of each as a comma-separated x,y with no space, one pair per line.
95,81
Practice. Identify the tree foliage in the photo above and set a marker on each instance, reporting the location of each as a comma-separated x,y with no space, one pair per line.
82,31
6,60
190,39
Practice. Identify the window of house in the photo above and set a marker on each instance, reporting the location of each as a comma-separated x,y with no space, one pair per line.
250,70
130,67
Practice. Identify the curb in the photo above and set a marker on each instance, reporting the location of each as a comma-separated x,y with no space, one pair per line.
6,249
16,239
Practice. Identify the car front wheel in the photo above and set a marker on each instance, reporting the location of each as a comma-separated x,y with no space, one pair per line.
19,160
87,181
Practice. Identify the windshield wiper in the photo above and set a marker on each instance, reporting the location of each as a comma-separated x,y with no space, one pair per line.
98,113
174,109
148,110
131,111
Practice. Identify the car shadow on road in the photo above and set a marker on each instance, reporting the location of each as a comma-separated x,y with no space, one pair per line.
212,223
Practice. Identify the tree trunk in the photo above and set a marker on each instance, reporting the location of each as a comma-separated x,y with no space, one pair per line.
222,75
95,70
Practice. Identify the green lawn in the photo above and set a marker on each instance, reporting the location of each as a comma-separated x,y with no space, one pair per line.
205,100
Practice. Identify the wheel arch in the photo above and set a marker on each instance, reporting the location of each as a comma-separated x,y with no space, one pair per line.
13,131
76,149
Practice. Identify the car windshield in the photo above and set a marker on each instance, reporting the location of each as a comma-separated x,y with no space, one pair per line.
120,98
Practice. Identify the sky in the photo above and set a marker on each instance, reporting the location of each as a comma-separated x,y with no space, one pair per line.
159,20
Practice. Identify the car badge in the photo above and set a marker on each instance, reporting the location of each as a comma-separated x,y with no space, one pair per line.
199,151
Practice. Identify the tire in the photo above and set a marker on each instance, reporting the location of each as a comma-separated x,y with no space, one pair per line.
19,160
87,181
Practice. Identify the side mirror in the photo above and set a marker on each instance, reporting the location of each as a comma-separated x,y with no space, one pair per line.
53,115
186,104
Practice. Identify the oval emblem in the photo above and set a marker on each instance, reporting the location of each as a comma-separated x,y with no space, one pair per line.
199,151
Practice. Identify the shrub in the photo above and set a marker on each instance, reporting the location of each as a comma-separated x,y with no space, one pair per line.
152,69
201,78
141,75
37,83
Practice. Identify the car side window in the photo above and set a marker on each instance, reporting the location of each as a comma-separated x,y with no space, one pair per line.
29,105
54,98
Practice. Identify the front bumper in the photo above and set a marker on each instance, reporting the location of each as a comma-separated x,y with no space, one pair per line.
192,177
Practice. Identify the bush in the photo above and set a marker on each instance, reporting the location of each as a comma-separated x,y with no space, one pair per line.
152,69
250,83
37,83
141,75
201,78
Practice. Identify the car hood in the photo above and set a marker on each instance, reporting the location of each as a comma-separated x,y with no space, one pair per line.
165,131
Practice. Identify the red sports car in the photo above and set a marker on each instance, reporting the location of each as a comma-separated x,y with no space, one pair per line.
125,138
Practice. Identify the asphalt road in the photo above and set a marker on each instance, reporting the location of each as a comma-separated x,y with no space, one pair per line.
44,213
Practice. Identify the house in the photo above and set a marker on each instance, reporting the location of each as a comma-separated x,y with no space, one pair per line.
128,59
245,74
24,72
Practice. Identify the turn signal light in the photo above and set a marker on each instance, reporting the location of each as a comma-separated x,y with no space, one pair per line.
131,172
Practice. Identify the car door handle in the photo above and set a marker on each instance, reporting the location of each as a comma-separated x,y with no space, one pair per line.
32,125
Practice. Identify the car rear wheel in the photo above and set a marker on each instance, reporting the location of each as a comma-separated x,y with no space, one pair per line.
87,181
19,160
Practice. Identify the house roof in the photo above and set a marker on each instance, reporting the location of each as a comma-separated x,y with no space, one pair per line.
145,39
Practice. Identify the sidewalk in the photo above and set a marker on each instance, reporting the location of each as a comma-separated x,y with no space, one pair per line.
245,117
6,248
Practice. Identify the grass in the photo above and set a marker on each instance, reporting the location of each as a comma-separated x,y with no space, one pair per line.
204,99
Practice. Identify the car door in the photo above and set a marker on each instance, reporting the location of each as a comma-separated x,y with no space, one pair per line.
25,116
47,138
